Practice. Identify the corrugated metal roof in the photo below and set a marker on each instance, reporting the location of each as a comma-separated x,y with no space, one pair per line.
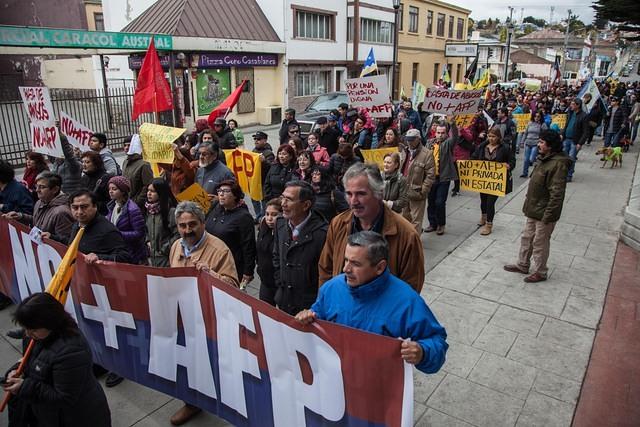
224,19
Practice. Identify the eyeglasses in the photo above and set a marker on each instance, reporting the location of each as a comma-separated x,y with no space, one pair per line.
223,190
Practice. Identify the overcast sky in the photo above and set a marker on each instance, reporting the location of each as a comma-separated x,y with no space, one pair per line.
537,9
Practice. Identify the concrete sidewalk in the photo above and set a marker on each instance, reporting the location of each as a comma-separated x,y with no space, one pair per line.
518,352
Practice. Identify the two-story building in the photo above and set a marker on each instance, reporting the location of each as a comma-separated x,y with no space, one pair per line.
425,26
327,42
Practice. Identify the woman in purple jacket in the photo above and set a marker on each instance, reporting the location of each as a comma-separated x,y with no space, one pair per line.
125,214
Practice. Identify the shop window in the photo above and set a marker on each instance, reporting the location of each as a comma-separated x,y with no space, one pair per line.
213,85
312,82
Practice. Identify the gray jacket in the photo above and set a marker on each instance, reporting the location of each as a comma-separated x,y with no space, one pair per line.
110,164
209,177
532,133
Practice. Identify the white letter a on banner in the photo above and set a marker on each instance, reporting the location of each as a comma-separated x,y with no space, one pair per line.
166,294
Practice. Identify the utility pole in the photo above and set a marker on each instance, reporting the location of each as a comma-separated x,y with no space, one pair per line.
509,33
551,15
566,44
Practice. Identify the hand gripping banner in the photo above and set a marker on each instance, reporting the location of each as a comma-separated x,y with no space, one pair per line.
198,339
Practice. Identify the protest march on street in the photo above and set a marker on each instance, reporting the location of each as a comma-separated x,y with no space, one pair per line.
244,234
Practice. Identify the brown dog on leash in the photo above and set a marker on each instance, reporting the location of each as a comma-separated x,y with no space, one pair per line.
613,154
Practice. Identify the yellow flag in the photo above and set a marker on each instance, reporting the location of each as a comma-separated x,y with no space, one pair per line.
484,80
402,95
61,281
247,167
195,193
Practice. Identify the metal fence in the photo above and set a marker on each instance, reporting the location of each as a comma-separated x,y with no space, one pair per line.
108,113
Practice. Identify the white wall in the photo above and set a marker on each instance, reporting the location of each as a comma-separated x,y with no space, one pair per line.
117,14
70,73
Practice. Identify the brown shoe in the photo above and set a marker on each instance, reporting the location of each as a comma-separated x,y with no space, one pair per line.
486,229
483,220
184,414
515,268
429,229
440,230
535,278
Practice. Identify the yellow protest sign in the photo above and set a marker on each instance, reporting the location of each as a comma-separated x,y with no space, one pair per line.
483,176
156,142
195,193
464,120
376,155
560,120
247,167
156,170
522,121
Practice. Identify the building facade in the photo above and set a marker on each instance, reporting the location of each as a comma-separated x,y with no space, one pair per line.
425,27
327,42
492,54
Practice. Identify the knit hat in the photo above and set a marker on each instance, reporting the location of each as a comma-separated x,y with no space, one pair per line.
121,182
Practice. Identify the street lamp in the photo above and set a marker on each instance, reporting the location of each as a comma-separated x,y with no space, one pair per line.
509,34
396,6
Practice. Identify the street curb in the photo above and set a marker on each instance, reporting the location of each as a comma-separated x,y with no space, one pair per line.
630,230
460,240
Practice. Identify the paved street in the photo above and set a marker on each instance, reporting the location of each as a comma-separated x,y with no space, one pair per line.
518,353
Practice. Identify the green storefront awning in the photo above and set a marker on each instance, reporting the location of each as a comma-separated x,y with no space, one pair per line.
65,38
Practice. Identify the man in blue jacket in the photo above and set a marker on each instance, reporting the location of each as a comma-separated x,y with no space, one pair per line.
368,297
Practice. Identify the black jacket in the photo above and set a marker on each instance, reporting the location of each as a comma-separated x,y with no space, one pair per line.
329,203
60,386
103,239
226,140
580,128
235,228
98,182
338,165
504,155
295,263
283,133
618,120
329,139
264,256
275,180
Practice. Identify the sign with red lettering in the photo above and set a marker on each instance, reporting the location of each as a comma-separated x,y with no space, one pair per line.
247,167
452,102
44,134
77,133
192,336
372,94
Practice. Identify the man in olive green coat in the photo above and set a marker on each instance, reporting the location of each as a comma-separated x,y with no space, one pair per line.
542,207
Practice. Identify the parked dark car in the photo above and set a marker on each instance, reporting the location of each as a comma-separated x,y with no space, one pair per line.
319,107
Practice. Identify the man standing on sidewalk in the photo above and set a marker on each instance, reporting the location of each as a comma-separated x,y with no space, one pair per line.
419,170
575,134
542,207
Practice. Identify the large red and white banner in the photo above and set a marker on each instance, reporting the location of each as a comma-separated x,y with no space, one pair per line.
196,338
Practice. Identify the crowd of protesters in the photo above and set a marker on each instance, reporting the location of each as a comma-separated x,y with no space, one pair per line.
318,193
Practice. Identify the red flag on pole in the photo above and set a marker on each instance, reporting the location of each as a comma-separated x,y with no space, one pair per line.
226,105
152,90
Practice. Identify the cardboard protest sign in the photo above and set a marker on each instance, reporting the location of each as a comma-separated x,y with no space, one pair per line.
447,101
247,167
45,138
376,155
370,93
156,142
78,134
482,176
419,91
522,121
197,194
242,359
559,119
464,120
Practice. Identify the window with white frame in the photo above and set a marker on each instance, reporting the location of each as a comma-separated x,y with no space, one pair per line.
313,25
312,82
372,31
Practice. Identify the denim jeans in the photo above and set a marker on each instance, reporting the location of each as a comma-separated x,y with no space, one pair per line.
634,130
530,154
437,207
570,150
612,139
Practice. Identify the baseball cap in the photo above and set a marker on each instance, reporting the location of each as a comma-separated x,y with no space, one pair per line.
412,134
260,135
